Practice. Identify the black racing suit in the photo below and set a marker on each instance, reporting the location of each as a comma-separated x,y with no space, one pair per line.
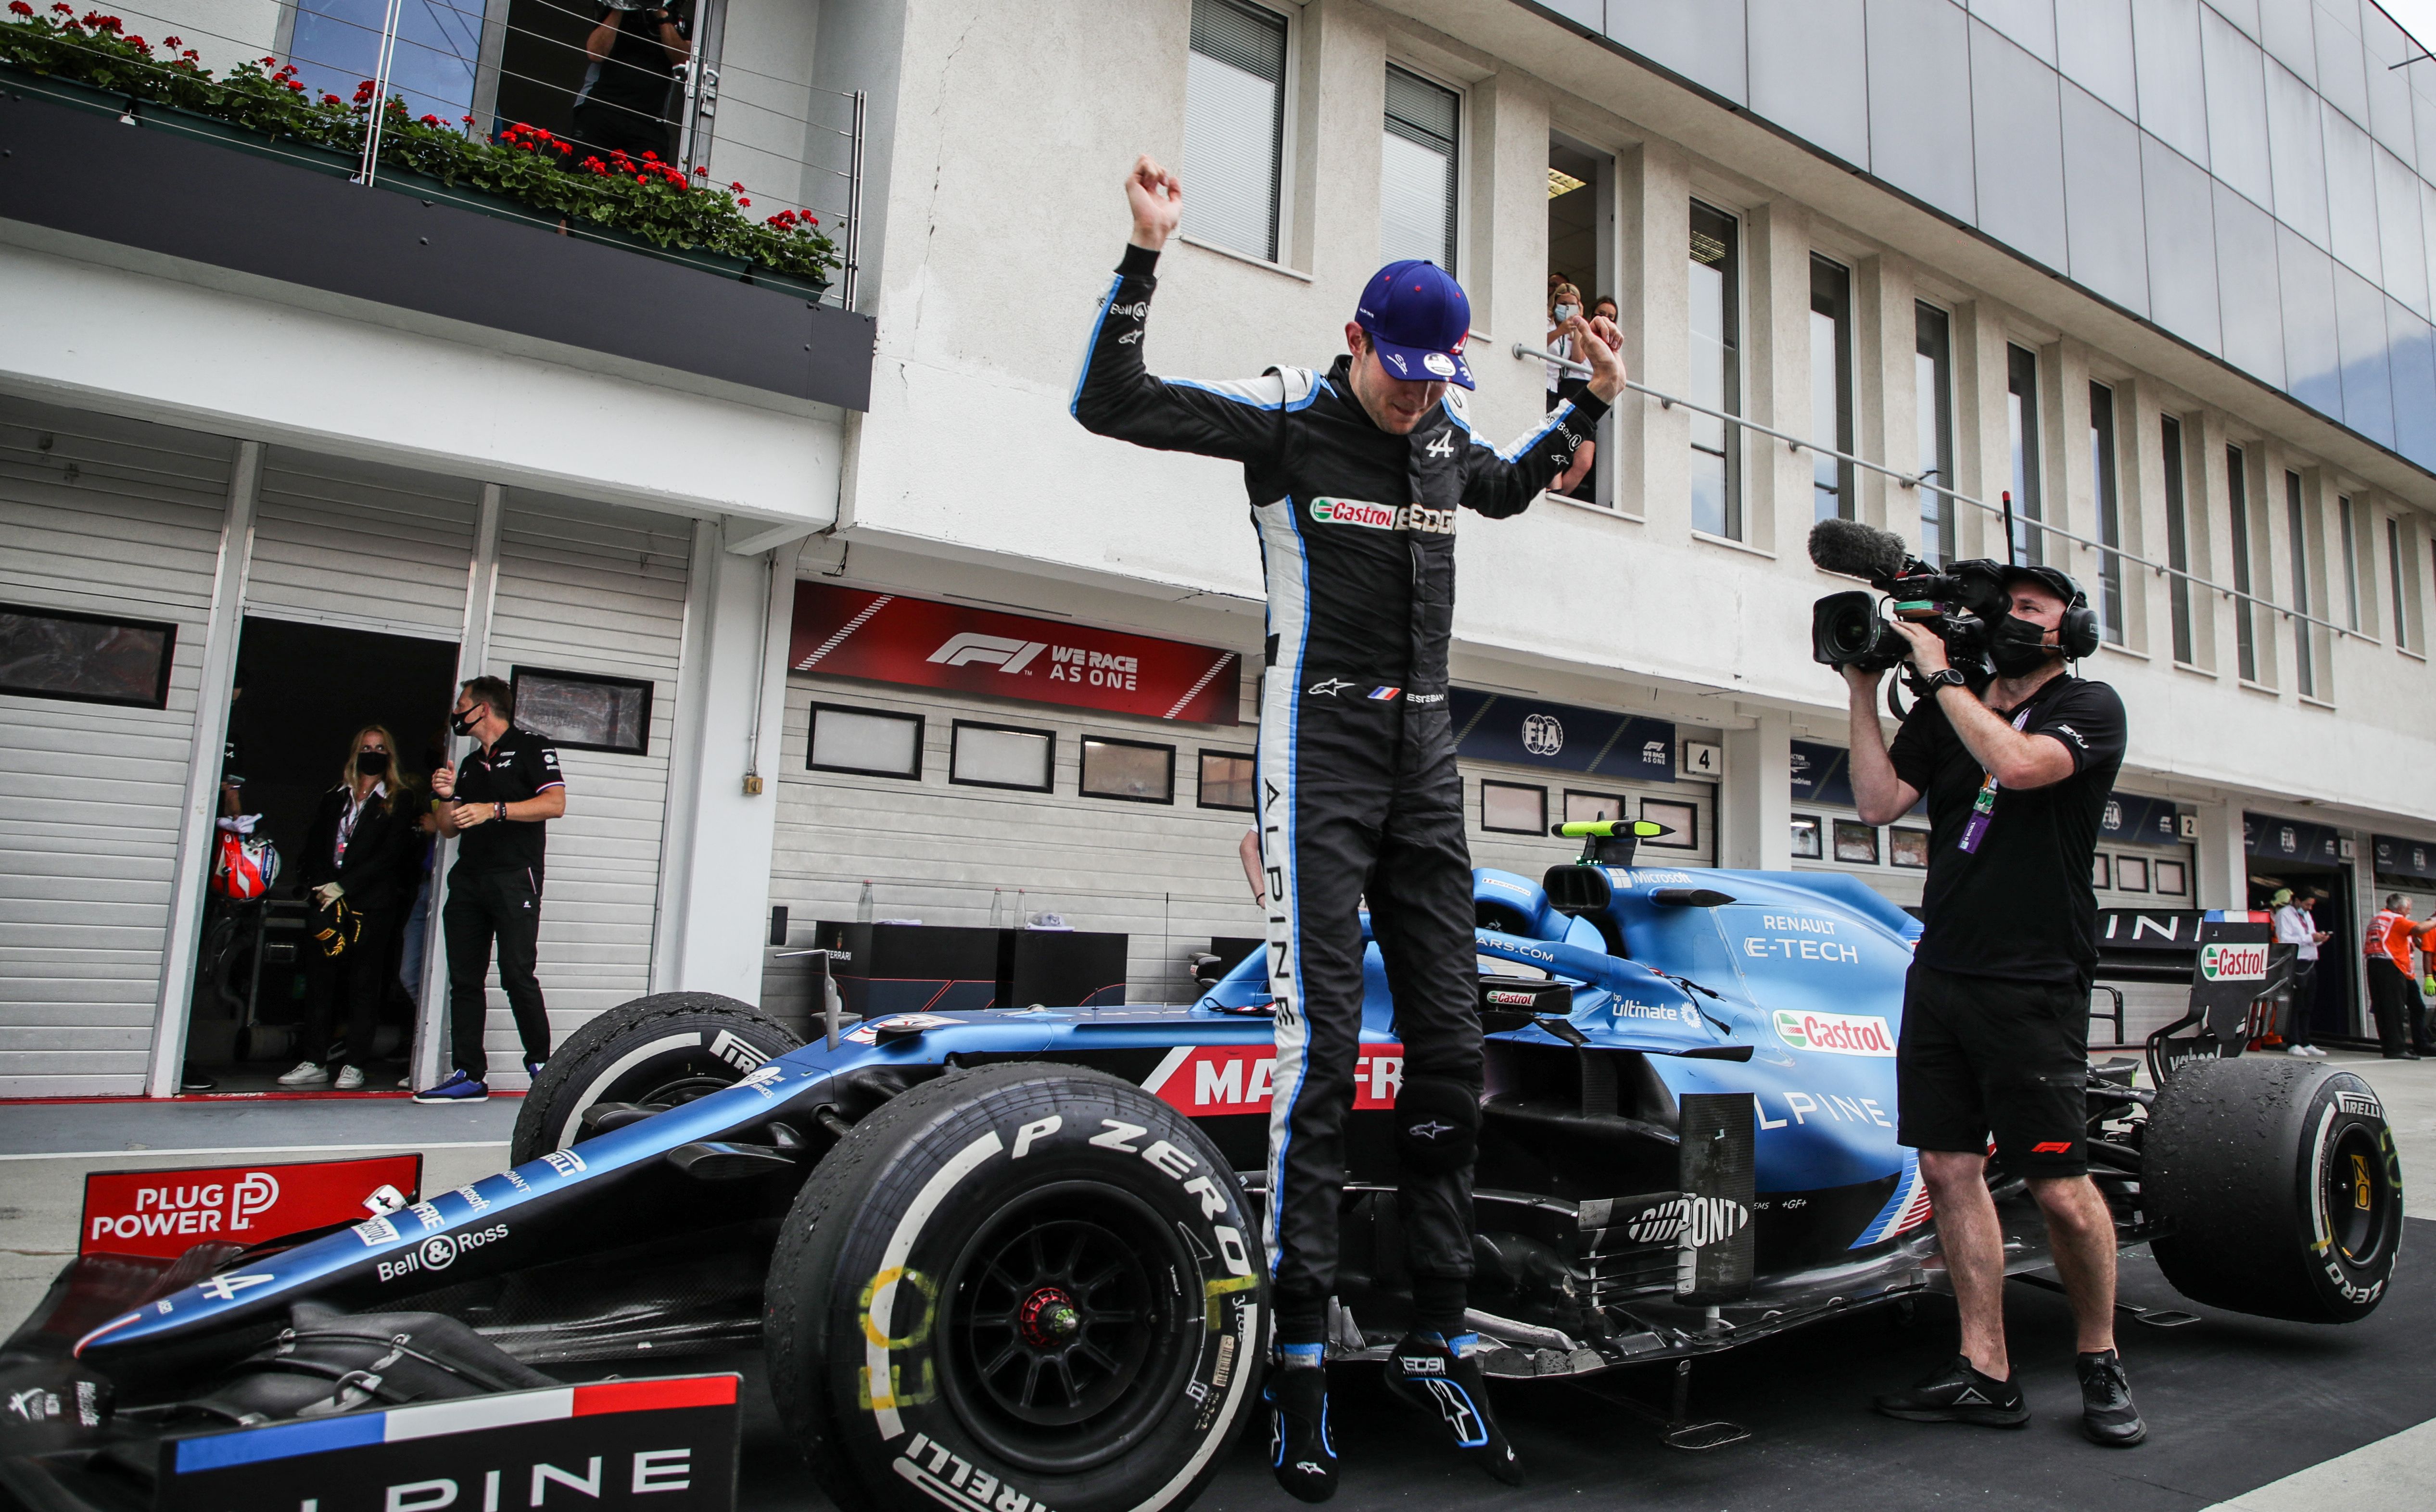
1359,794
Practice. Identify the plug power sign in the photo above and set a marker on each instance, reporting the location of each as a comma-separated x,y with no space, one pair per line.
168,1213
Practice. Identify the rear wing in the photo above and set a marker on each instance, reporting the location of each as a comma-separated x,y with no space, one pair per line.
2240,965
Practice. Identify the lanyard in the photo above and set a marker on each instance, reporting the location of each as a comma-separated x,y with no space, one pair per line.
1983,807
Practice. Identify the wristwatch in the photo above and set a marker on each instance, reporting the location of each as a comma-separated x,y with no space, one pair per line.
1945,677
499,810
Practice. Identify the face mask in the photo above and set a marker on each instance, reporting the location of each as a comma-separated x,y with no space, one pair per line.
464,723
2018,646
371,763
1566,312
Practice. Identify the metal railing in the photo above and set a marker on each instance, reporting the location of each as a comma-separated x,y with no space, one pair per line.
1525,351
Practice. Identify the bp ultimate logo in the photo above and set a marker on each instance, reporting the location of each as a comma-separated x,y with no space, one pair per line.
2234,963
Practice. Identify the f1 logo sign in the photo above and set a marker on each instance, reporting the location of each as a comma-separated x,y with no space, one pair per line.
1008,656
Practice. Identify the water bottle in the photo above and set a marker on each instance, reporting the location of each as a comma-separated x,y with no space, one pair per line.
998,907
862,904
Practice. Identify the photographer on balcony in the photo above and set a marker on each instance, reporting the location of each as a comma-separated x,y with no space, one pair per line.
637,50
2016,771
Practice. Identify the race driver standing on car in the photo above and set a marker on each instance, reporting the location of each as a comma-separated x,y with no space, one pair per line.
1356,476
1995,1029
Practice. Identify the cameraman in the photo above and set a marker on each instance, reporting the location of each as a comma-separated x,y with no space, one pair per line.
1996,1008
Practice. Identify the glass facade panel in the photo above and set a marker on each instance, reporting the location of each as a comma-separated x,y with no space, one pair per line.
1932,403
2342,75
1831,386
2094,49
1808,72
2243,13
2182,246
2312,360
1920,132
2237,477
2237,109
2022,433
2389,88
2102,211
2305,672
1716,372
2351,194
2367,376
2248,292
2423,114
2404,251
2296,151
2347,541
2031,22
2286,30
337,45
2173,92
2178,540
2413,345
2110,513
1698,39
2018,148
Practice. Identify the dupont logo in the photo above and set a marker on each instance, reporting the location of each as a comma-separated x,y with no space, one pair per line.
1836,1033
2233,963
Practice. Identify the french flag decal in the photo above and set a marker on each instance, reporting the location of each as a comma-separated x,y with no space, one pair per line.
1905,1212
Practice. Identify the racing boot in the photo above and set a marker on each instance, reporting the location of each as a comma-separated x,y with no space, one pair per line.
2107,1415
1300,1453
1442,1377
1957,1393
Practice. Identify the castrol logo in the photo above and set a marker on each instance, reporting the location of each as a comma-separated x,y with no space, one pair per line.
1836,1033
2234,963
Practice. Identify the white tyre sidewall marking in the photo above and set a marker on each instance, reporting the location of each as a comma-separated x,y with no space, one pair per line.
1248,1330
690,1040
900,1243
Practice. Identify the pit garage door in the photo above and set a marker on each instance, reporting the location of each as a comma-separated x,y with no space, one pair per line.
118,519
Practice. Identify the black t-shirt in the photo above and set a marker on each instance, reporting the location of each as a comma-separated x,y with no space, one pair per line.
519,766
2021,905
637,74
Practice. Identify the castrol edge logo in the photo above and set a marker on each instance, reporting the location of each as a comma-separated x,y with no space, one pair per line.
1382,518
2234,963
1836,1033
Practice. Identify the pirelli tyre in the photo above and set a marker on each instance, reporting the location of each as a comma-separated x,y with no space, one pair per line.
1025,1288
2279,1185
660,1050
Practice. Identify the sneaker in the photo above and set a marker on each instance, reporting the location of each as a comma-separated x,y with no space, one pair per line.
459,1088
307,1074
193,1079
1444,1378
351,1079
2318,1051
1300,1451
1956,1393
532,1067
2107,1415
2303,1051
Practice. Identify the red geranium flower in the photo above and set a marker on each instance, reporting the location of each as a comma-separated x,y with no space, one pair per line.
702,170
431,120
63,9
20,7
331,99
743,202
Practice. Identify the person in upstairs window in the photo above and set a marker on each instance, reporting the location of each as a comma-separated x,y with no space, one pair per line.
637,50
496,804
363,839
1356,476
1996,1027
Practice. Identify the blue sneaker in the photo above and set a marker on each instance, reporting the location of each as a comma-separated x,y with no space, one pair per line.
459,1088
532,1067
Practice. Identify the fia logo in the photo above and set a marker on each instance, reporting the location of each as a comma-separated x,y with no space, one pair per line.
1442,446
1542,736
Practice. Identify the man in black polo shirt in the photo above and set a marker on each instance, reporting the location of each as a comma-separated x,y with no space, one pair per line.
1996,1029
495,804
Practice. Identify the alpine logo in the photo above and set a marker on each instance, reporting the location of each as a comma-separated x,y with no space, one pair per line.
1836,1033
1442,446
1009,656
2233,963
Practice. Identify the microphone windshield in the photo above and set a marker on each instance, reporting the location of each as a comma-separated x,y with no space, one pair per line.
1855,550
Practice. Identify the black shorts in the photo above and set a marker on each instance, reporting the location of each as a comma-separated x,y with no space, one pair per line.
1981,1054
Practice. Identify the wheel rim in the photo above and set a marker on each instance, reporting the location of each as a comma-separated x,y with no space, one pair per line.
2356,1196
1062,1349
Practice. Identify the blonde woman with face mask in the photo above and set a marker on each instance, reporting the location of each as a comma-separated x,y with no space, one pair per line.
363,840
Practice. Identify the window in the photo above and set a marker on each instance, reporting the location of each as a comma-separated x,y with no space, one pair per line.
2305,672
1417,185
2173,879
1933,384
1225,780
1909,848
2099,871
1682,821
2022,425
1806,845
1235,124
2346,525
1716,373
866,741
2238,490
1831,386
996,756
2178,543
583,712
1588,808
1513,808
85,658
1856,842
2110,513
1135,770
2395,568
2130,874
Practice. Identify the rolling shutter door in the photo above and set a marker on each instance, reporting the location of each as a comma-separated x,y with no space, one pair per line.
594,588
364,547
107,517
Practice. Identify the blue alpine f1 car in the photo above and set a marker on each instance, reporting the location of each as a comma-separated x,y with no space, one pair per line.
1010,1260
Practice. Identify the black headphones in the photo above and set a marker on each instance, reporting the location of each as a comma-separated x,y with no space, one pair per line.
2077,634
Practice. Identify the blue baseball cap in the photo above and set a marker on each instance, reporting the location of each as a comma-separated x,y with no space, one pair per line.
1417,318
